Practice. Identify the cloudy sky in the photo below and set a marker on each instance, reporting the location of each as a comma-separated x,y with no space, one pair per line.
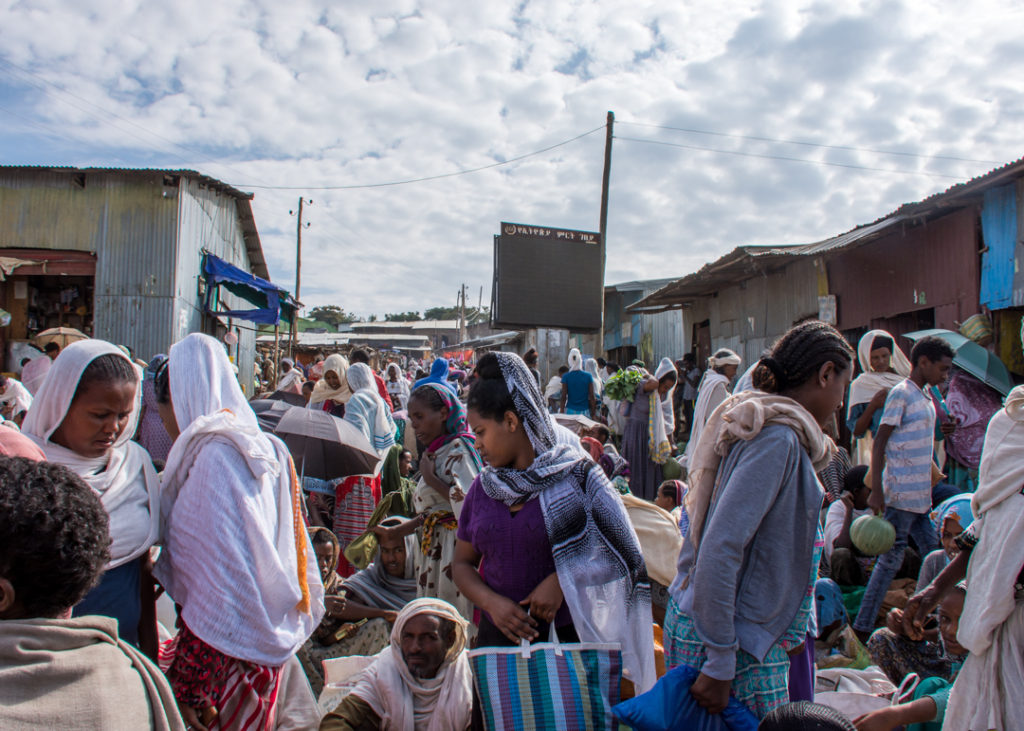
294,98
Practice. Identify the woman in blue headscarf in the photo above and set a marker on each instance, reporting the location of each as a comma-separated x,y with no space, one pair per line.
438,374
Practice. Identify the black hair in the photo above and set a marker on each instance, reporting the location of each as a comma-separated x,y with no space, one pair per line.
613,365
489,395
50,347
601,428
162,382
323,537
404,452
805,716
54,538
530,357
669,487
24,361
563,370
429,396
670,376
359,356
107,368
601,362
799,354
932,348
689,358
309,384
854,479
3,380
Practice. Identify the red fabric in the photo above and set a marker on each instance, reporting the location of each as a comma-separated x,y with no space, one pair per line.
355,499
243,694
593,446
382,389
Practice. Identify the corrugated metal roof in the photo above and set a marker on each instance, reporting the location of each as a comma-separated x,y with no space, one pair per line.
745,262
243,200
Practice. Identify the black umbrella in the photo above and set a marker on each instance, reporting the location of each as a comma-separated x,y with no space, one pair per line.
269,412
324,446
295,399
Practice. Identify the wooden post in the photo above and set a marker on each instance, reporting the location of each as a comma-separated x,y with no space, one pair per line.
605,179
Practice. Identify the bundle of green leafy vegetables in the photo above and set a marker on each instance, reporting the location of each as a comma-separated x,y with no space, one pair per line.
622,386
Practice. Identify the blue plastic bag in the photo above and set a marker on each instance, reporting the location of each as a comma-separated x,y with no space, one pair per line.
668,706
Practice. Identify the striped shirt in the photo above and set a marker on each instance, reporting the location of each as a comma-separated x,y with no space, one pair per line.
907,479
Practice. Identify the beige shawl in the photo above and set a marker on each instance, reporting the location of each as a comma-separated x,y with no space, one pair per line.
322,391
77,674
743,416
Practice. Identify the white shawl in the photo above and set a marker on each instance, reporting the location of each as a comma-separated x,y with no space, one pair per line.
667,412
868,383
406,703
367,410
399,387
322,392
710,383
234,537
999,506
575,360
124,478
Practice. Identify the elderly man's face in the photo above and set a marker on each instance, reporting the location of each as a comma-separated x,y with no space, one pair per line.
423,645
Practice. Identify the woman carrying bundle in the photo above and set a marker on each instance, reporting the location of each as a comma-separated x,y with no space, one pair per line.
645,444
742,600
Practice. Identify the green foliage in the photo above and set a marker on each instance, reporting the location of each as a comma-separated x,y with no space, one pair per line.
441,313
331,314
402,317
622,386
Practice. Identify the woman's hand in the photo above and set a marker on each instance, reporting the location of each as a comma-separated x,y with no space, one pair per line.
894,621
915,614
191,718
335,605
711,695
880,720
545,600
512,620
428,470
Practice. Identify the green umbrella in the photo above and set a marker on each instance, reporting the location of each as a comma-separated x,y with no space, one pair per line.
973,358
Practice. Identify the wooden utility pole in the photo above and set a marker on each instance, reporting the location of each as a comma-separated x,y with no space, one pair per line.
298,277
605,179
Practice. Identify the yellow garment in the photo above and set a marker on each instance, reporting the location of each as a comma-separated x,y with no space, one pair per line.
660,539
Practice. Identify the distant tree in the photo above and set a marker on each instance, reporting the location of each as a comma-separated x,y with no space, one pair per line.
331,314
402,317
372,318
441,313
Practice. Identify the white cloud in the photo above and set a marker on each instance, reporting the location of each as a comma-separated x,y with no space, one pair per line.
336,93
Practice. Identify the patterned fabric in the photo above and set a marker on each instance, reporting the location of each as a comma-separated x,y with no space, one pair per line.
760,686
899,656
369,639
907,479
571,688
355,499
455,426
243,695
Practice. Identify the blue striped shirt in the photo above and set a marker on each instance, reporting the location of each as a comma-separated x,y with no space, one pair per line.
907,479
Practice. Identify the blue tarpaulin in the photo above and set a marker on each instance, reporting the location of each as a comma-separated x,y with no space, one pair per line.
999,229
272,303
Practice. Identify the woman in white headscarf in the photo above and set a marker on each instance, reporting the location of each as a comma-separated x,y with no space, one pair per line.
83,417
236,555
882,366
645,443
332,392
712,391
665,367
398,386
291,377
356,496
391,695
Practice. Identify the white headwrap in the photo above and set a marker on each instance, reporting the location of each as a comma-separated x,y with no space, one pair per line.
124,478
868,383
575,360
236,554
367,410
591,367
668,416
322,391
406,703
724,357
711,392
34,373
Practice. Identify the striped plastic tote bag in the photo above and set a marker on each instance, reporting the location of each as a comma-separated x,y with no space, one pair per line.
549,685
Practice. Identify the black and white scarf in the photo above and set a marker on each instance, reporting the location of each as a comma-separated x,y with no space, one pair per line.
597,554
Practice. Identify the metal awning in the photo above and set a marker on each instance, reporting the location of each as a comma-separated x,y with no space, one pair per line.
271,303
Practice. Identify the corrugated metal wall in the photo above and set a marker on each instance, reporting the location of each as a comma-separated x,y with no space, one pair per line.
208,219
931,266
750,316
999,235
129,221
655,336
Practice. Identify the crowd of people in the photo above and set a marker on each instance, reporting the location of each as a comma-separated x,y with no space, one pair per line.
166,563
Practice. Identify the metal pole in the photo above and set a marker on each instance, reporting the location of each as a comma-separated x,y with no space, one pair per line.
605,179
298,276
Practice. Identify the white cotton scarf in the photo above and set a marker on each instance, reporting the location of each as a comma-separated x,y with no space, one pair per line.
998,504
575,360
124,478
323,392
367,410
711,381
406,703
868,383
591,367
236,554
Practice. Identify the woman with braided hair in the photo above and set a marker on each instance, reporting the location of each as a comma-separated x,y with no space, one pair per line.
743,598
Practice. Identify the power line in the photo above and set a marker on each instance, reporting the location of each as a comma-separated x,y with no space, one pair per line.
814,144
789,159
427,177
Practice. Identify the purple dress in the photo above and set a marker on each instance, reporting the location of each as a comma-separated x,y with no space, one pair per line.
515,547
644,474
